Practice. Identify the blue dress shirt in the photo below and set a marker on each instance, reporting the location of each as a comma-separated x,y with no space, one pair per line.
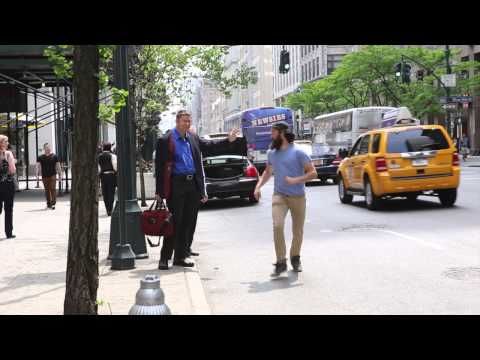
183,158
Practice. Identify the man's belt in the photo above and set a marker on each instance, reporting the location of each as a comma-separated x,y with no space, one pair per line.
184,177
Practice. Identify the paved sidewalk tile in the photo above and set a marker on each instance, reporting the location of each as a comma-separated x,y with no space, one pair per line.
32,275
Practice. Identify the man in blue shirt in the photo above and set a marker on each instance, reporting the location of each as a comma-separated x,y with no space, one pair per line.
291,168
180,179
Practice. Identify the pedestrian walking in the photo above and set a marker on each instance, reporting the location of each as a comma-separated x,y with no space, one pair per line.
7,186
464,146
107,167
48,166
291,168
180,180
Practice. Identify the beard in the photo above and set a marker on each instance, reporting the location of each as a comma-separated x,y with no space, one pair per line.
276,143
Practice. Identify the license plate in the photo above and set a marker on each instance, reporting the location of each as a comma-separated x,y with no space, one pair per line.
419,162
226,183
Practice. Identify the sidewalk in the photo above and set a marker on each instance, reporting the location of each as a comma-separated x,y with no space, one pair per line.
32,274
472,161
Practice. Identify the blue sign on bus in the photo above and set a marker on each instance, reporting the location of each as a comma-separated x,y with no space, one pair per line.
257,123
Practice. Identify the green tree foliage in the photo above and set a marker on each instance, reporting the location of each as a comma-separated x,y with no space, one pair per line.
367,78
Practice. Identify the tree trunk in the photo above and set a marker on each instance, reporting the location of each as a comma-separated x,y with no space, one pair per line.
82,261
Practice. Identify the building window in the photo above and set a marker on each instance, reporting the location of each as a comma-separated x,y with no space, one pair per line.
318,66
309,70
332,62
313,68
303,73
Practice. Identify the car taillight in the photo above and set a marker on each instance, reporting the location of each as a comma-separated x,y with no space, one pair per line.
251,171
456,159
381,164
337,161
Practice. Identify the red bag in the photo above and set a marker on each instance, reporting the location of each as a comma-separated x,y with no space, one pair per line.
158,221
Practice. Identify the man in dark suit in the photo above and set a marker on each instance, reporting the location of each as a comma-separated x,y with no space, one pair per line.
180,179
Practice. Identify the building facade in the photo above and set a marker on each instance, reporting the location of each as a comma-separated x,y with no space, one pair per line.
213,106
307,63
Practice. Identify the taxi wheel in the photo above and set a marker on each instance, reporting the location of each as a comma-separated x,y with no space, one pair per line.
373,201
335,180
448,197
342,192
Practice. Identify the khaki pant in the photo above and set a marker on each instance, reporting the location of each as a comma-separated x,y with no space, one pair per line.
281,204
49,183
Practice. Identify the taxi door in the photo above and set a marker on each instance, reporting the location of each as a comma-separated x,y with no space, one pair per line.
361,160
350,163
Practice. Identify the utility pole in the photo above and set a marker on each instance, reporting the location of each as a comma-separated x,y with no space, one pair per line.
447,89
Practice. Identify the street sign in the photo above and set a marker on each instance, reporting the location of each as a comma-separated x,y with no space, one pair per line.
449,106
456,99
449,80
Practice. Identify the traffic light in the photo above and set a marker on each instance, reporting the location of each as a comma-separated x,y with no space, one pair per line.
419,75
406,73
284,62
402,72
398,70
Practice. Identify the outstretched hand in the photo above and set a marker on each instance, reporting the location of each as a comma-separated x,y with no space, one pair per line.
233,134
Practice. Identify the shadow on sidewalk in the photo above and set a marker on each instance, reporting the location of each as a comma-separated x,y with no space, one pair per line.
20,299
34,195
23,280
274,284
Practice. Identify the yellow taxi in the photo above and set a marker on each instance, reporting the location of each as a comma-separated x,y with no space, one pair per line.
403,160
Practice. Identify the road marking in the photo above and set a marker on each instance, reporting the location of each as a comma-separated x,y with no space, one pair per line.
411,238
476,178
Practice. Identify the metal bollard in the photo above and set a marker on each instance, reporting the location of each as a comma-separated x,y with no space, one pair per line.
150,299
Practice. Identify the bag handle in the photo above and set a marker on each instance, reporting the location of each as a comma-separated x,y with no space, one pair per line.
161,206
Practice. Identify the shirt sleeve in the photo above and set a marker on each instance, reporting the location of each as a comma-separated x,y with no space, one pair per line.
269,157
304,157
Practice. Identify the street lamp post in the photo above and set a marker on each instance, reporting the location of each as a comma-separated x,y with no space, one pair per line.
123,258
125,222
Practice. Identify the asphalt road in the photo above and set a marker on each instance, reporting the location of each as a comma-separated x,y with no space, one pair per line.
420,259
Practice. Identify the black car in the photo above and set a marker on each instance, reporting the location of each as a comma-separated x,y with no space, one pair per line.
231,174
325,161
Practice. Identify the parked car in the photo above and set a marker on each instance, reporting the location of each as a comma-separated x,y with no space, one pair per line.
324,159
404,160
231,175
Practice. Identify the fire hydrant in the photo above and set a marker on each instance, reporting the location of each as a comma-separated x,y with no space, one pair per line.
150,299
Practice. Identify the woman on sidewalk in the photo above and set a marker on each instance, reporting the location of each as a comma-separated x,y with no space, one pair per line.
7,186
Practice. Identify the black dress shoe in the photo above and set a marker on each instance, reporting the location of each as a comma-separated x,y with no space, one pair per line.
184,262
163,265
11,236
192,253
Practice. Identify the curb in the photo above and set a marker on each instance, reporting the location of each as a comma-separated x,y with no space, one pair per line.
197,293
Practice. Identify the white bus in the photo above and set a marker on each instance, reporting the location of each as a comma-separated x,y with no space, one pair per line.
340,129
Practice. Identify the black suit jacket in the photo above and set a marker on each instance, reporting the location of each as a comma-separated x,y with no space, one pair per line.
200,147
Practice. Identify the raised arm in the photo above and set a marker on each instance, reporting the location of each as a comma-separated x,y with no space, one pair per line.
218,147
